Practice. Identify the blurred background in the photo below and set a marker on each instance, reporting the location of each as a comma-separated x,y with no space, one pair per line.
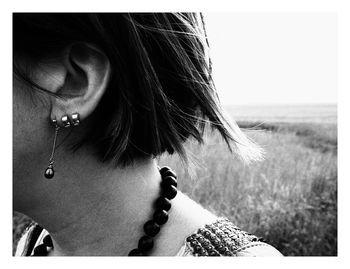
276,74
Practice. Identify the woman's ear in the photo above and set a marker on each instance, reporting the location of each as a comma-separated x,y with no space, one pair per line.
86,71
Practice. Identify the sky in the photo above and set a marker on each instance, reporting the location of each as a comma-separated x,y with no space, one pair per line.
274,58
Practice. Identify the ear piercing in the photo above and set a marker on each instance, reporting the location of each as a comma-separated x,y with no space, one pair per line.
66,122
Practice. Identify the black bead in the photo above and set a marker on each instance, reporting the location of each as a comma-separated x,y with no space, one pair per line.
163,203
151,228
197,248
189,239
206,233
213,253
225,249
169,173
145,243
48,241
201,239
194,243
215,242
169,192
221,248
135,252
205,243
201,230
209,247
169,180
40,250
202,252
164,169
160,217
227,253
195,236
49,173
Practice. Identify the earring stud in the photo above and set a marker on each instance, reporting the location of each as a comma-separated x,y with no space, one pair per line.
75,119
65,121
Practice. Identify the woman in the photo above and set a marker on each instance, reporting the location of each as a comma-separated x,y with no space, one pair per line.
97,97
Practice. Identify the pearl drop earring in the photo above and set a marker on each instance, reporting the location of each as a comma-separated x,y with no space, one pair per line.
49,172
66,122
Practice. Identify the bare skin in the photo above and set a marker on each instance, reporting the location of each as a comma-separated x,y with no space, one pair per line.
89,207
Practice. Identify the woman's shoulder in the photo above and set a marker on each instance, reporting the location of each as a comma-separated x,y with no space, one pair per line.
220,238
223,238
30,238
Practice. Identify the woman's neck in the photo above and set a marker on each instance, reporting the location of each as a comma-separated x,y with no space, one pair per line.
91,203
91,209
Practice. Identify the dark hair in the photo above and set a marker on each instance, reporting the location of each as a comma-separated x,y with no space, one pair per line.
161,90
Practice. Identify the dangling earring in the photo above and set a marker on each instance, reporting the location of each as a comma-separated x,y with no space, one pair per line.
49,172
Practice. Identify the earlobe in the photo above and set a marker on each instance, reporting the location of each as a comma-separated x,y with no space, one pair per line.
87,74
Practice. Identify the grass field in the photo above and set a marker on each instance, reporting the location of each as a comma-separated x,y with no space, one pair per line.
290,198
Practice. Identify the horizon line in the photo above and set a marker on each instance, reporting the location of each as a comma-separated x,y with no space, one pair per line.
280,104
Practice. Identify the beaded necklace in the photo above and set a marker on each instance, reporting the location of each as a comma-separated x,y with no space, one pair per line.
151,228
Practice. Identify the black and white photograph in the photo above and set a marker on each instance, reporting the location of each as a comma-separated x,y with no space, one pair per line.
199,133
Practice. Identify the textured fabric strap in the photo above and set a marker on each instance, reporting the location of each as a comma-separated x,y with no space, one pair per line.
221,238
